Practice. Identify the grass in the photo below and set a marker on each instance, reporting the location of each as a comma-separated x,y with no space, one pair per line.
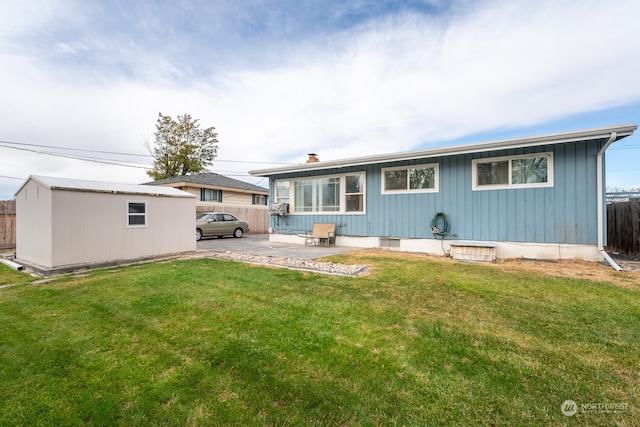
419,341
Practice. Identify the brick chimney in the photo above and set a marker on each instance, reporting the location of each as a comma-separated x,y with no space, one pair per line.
313,158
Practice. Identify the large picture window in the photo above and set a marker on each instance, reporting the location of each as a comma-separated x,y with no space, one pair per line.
534,170
410,179
317,195
136,214
330,194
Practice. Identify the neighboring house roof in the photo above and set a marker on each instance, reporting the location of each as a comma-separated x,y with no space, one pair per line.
213,180
606,132
104,187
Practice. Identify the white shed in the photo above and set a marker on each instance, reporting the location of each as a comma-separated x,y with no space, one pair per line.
70,223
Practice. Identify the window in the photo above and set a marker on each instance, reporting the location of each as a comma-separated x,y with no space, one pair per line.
259,199
209,195
317,195
354,193
534,170
282,192
136,214
410,179
336,193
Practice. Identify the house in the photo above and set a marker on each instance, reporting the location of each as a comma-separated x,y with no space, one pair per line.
219,193
64,224
533,197
214,190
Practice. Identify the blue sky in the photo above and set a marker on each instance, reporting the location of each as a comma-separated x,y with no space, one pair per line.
279,79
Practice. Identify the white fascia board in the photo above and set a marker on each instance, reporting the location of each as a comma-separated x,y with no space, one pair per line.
504,144
55,183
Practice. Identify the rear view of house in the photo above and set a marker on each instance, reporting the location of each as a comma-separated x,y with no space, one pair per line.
533,197
70,223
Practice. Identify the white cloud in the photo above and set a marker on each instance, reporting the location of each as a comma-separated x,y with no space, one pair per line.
391,84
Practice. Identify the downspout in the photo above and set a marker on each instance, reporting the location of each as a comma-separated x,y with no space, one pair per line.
601,201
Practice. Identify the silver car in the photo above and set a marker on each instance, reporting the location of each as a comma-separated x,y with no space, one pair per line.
210,224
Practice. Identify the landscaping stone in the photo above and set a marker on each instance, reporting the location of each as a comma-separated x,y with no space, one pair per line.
298,264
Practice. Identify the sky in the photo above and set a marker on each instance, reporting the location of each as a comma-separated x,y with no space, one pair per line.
280,79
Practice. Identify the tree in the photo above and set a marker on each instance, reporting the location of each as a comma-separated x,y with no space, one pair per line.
181,147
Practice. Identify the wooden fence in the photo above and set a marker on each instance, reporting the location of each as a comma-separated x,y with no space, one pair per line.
257,217
623,228
7,223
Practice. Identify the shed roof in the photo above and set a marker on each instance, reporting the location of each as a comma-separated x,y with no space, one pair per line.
605,132
55,183
214,180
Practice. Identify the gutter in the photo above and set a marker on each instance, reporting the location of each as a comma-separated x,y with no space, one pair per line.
601,207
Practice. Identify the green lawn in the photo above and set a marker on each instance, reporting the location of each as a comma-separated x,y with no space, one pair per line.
419,341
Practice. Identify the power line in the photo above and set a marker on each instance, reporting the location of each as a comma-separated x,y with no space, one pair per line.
72,149
86,159
124,154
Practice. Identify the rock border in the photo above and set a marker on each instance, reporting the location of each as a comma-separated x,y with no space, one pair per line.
292,263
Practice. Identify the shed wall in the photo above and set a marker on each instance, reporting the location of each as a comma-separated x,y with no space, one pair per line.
565,213
89,227
33,224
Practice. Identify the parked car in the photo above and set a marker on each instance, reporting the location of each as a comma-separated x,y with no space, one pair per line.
210,224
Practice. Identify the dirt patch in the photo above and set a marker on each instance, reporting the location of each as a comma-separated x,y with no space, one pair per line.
577,269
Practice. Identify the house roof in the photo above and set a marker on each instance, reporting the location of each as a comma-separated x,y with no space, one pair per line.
621,131
104,187
214,180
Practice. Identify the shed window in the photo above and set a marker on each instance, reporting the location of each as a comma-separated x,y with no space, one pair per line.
136,214
410,179
534,170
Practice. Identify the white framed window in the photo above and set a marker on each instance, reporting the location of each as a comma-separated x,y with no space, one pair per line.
282,191
525,171
136,213
411,179
326,194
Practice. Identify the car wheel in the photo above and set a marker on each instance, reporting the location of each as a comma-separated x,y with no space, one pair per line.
198,234
237,233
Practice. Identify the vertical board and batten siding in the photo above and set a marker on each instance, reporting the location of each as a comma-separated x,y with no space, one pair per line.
564,213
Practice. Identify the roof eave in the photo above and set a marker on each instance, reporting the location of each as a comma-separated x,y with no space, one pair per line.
622,130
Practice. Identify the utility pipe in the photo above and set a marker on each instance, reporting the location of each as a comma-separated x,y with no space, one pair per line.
11,264
601,201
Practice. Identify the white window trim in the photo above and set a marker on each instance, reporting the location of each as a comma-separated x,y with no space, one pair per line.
343,194
276,199
436,184
474,172
146,214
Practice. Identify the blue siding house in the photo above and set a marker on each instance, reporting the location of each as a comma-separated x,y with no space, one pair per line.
533,197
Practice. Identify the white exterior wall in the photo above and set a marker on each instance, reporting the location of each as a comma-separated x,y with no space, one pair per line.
91,227
33,224
60,228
